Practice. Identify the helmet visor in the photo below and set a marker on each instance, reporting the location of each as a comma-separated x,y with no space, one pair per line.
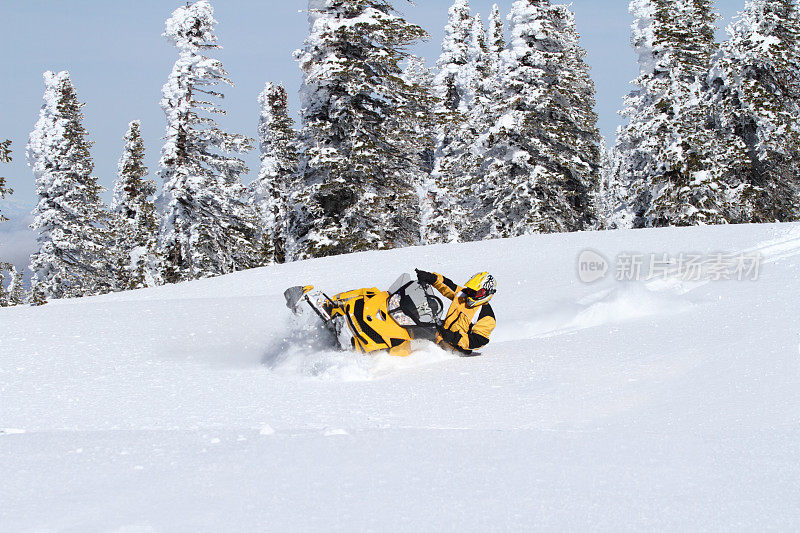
479,297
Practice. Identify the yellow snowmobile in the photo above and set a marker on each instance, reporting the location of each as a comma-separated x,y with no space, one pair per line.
369,320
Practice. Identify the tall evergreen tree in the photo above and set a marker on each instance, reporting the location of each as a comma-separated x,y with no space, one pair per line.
4,294
476,190
756,82
469,180
421,77
496,45
666,148
426,119
358,137
478,68
630,164
452,87
452,80
279,164
541,160
16,292
70,218
496,40
5,157
614,195
136,222
207,228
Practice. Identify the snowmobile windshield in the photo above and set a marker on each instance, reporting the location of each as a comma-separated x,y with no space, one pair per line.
411,305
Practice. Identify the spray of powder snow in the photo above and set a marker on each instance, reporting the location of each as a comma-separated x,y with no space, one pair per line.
309,351
629,302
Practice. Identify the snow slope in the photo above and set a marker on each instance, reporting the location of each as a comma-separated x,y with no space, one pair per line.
615,405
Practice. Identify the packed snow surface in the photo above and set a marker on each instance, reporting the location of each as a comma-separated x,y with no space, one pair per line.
654,404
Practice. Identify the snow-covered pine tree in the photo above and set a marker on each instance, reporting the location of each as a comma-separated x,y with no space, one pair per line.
4,300
357,188
5,157
542,155
615,196
207,227
70,218
632,162
496,39
451,86
16,292
474,191
468,180
689,189
603,203
279,164
756,81
478,66
451,82
666,149
417,74
135,215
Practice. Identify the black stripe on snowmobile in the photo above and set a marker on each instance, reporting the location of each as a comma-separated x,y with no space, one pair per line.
352,326
358,313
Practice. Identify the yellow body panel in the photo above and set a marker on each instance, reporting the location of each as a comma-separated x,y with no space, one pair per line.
367,316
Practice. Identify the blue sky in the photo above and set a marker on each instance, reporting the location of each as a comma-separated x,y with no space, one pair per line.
119,61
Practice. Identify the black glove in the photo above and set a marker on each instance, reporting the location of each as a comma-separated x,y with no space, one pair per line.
425,277
450,337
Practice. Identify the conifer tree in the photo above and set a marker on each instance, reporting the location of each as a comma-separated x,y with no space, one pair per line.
496,45
452,80
426,119
5,157
279,164
70,218
357,188
16,292
632,162
756,82
496,40
422,78
452,87
37,296
541,160
4,294
666,148
477,71
615,196
469,176
207,228
603,194
475,191
136,223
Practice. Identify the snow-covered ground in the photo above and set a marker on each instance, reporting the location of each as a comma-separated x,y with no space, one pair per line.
616,405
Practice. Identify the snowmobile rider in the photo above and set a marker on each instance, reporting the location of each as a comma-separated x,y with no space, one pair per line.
470,319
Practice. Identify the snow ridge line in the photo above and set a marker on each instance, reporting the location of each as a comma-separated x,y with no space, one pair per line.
631,301
769,252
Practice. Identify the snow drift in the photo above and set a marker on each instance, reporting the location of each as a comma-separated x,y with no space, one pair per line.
663,403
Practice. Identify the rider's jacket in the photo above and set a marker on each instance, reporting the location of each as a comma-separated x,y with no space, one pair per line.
473,324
